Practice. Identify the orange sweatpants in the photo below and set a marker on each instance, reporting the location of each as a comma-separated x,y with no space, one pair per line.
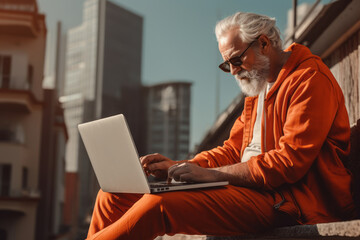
219,211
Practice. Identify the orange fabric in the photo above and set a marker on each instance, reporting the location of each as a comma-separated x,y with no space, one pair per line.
305,136
220,211
300,172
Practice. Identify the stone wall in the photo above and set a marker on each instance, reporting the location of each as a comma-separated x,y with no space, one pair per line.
344,64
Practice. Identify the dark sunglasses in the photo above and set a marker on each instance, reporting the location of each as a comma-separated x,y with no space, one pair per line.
235,61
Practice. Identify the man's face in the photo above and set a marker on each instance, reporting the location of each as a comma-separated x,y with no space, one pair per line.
252,74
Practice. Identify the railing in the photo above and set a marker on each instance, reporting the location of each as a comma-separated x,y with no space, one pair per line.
15,84
296,26
25,13
26,6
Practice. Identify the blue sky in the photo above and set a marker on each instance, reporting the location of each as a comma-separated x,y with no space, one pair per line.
179,45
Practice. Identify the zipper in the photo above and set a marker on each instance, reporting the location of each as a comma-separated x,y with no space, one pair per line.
264,118
276,206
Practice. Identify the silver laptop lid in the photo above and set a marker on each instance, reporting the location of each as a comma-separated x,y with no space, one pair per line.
113,155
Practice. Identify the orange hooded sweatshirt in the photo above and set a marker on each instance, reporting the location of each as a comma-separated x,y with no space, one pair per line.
305,137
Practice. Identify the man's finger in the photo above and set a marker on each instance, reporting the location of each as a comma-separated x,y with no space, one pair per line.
151,158
156,166
176,170
172,169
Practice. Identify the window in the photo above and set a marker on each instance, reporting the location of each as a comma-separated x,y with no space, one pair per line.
12,133
7,135
5,67
25,174
30,75
5,175
11,129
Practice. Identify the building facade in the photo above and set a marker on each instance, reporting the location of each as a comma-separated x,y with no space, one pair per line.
22,45
75,88
168,119
31,141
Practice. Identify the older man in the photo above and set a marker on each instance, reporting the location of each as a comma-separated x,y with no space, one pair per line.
283,158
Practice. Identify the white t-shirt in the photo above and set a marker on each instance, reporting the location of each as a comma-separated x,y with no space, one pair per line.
254,147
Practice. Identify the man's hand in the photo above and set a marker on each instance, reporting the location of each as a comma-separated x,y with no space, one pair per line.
157,165
188,172
162,168
236,174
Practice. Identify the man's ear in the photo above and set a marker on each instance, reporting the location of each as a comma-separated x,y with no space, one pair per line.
264,43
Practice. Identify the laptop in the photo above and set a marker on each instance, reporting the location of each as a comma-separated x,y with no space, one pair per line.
115,160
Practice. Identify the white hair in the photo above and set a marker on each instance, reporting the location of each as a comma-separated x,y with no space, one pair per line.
250,26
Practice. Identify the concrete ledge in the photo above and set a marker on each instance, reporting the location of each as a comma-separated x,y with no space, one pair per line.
182,237
335,230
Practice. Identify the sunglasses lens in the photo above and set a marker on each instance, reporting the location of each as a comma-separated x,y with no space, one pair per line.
236,61
225,66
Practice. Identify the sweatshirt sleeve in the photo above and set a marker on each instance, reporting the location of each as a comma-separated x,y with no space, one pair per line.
311,110
227,154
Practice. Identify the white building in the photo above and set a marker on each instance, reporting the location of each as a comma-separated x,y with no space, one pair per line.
102,75
75,90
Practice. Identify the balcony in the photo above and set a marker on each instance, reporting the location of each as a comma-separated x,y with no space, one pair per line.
14,207
20,17
20,101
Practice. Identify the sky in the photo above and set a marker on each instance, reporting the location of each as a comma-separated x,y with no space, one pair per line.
179,44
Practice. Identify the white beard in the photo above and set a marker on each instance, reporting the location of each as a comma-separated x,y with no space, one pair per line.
253,82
